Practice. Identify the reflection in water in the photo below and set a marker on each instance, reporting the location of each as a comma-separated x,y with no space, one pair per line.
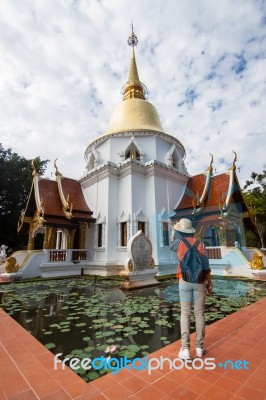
83,319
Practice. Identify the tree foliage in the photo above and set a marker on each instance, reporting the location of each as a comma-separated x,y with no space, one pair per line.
255,196
15,185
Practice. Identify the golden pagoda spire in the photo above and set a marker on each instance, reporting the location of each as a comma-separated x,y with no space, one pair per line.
133,89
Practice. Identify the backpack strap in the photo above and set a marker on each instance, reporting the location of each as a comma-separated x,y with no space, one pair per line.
186,242
196,243
191,245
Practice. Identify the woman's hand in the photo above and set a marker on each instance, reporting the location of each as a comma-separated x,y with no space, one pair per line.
209,284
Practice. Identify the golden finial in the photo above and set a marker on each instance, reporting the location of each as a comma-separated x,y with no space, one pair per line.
134,88
34,172
235,160
56,169
211,163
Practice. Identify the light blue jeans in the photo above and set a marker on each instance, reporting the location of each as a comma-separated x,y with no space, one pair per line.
192,293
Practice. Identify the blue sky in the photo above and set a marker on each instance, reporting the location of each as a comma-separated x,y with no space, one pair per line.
63,64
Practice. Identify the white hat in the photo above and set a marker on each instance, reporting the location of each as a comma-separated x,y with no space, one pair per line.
184,225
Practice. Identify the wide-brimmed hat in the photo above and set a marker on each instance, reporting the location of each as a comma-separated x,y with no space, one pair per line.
184,225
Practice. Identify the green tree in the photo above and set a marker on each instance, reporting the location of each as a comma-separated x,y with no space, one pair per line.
15,185
255,196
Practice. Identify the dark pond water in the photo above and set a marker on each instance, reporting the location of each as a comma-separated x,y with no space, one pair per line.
82,319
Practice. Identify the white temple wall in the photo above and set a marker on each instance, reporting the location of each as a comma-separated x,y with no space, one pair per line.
154,147
139,207
112,198
162,148
119,145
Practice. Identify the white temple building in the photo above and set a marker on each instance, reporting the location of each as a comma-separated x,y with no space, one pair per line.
135,175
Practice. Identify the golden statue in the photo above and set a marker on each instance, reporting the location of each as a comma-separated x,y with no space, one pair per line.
133,154
11,265
257,262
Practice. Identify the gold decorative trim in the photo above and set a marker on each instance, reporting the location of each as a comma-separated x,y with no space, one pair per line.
67,207
70,238
210,169
34,172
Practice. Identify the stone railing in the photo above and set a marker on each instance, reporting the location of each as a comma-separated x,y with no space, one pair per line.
57,255
79,255
214,253
73,255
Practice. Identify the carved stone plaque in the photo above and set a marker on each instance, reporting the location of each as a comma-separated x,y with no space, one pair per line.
140,252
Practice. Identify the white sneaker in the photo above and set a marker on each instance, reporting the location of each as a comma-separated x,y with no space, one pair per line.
184,354
199,352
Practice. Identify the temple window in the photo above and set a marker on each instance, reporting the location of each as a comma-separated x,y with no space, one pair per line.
100,228
132,153
211,237
165,229
175,160
100,235
93,159
92,162
123,239
141,226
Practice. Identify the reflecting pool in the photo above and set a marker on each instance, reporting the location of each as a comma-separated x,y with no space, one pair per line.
83,318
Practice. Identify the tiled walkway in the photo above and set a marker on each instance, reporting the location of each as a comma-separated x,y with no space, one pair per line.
26,367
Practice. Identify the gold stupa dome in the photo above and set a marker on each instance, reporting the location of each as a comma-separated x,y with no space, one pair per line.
134,112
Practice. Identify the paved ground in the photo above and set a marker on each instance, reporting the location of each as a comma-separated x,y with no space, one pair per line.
27,373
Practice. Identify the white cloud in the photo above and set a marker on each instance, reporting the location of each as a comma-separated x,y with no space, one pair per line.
64,62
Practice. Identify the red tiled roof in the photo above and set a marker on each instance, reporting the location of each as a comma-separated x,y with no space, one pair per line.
50,198
218,190
52,204
195,186
72,188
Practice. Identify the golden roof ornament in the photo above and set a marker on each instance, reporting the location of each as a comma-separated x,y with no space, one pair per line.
233,167
235,160
134,88
56,169
211,163
34,172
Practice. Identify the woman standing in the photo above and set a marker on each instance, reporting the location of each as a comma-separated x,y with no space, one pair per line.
189,292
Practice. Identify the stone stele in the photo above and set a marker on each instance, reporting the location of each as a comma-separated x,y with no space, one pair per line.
139,265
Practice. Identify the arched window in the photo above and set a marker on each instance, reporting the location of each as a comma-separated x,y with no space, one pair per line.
164,228
100,226
123,229
141,223
93,159
132,153
173,158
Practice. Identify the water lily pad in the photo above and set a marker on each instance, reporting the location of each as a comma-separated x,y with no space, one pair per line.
127,353
93,375
50,346
81,324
